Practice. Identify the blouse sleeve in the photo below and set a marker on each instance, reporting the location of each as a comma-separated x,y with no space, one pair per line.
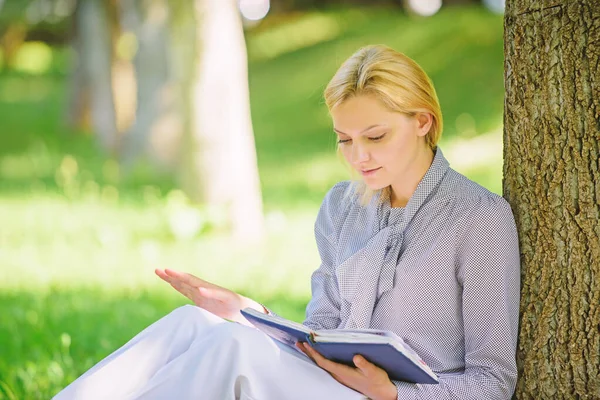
323,310
489,272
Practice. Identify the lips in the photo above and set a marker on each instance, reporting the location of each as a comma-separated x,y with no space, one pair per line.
367,172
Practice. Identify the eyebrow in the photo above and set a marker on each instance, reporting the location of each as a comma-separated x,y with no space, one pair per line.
369,128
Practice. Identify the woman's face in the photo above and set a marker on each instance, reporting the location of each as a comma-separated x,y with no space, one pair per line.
380,144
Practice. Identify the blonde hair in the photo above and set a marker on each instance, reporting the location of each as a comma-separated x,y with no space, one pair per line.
395,80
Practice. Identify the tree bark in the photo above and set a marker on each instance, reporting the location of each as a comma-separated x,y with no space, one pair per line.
220,158
552,181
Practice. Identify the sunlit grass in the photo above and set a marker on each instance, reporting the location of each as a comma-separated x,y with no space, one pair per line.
52,345
77,280
57,242
304,32
21,89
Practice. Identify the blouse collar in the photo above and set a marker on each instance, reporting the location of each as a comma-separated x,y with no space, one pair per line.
424,190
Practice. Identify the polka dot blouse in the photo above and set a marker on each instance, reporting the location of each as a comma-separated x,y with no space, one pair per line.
442,273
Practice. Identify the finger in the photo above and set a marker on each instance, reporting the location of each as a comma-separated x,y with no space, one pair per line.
342,373
161,274
181,289
314,353
173,280
185,277
169,279
369,370
190,291
187,290
206,288
326,364
300,345
212,290
364,366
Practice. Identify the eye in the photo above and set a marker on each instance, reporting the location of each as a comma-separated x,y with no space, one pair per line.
342,141
377,138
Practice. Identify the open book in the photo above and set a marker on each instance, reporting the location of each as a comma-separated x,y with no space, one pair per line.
382,348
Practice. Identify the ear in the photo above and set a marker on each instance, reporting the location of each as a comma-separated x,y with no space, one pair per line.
424,122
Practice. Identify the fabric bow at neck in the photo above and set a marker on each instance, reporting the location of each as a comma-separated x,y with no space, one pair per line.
369,273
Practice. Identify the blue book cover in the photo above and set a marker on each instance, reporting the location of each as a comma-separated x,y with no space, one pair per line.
382,348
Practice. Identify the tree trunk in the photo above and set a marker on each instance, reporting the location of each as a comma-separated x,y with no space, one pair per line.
93,81
157,129
123,74
552,181
220,154
11,41
77,113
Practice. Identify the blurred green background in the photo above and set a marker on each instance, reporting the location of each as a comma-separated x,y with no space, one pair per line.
79,242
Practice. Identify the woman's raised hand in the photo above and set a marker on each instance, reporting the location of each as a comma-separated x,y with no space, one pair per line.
213,298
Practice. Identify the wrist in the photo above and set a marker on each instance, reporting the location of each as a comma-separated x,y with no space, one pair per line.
249,303
241,304
392,391
387,392
245,302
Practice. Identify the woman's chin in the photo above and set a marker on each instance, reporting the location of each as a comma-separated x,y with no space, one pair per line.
374,185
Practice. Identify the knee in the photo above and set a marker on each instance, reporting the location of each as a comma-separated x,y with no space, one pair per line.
184,312
186,309
191,314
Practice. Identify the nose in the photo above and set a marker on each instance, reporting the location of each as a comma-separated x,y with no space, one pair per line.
359,153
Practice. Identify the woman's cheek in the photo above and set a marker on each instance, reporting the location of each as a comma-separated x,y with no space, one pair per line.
347,153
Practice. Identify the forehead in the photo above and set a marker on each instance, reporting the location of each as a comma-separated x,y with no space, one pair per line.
360,112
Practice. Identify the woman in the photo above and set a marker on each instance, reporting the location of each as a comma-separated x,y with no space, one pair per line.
412,247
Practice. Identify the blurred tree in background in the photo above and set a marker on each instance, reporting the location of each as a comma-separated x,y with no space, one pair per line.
92,92
219,151
191,113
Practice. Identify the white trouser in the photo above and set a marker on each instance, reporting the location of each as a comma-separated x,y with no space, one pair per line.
193,354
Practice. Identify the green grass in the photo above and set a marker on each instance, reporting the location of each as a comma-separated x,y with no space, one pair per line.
52,345
78,243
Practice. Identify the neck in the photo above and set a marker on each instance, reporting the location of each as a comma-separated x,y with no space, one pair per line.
402,191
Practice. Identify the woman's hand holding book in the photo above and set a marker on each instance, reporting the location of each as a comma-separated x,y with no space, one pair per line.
365,377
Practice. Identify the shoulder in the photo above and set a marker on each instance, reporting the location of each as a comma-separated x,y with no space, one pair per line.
486,217
340,197
338,202
476,198
487,238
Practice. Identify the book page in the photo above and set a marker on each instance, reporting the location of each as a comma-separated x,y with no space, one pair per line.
277,320
357,333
